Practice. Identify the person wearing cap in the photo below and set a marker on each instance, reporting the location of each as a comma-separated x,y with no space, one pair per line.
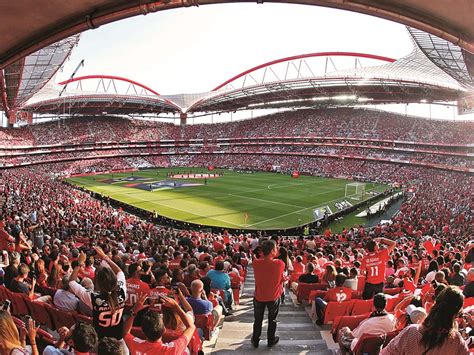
379,322
416,315
438,333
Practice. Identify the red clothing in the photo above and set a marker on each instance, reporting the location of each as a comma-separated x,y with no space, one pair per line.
7,242
375,263
268,279
338,294
175,263
139,346
135,287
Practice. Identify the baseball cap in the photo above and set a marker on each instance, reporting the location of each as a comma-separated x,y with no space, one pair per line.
416,314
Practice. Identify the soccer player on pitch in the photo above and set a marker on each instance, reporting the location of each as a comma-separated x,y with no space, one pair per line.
374,264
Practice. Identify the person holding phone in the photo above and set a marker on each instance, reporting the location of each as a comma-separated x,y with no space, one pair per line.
10,342
108,299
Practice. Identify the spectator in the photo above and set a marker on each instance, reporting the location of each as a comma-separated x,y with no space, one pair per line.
110,346
82,338
10,342
457,277
108,299
379,322
200,304
221,281
19,284
309,277
337,294
437,334
469,289
64,299
11,271
268,288
153,328
374,264
135,285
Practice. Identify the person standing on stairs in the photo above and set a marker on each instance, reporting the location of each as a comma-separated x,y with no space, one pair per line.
269,280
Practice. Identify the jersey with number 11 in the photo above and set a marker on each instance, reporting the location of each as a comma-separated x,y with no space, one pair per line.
374,264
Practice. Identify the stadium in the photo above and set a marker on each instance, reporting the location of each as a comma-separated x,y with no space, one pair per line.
137,222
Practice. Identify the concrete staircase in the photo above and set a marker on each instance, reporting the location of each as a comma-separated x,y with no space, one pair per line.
298,335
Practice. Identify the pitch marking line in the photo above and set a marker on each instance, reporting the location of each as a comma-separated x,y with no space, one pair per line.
269,201
301,210
174,208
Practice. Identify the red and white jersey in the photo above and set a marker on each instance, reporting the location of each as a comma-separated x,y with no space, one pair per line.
338,294
135,287
374,264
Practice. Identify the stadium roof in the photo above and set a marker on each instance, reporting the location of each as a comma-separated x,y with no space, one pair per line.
24,78
49,21
301,81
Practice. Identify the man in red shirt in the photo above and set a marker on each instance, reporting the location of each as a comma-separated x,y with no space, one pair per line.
153,328
374,264
135,286
337,294
268,289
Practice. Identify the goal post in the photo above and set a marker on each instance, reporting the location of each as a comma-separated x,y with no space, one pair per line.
355,190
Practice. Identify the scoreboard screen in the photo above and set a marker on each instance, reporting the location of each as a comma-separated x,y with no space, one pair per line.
466,105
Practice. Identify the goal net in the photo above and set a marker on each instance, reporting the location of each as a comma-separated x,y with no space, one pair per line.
355,190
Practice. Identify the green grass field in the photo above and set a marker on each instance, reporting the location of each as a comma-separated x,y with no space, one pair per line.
235,200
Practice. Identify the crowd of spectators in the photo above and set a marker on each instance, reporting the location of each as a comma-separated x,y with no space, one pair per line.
142,287
331,122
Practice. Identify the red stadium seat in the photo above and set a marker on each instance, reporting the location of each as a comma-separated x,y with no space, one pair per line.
315,294
362,307
304,289
392,291
19,306
41,314
44,338
206,323
334,309
79,317
60,318
360,284
3,293
219,292
369,344
392,303
372,344
346,321
295,276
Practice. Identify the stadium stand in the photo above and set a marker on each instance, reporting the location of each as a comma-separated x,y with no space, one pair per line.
54,228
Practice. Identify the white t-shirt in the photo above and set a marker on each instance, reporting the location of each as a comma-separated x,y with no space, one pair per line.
374,326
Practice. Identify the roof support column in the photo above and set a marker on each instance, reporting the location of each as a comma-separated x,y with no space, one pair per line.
3,94
183,118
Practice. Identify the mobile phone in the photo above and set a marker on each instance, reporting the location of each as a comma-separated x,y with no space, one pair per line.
6,305
27,323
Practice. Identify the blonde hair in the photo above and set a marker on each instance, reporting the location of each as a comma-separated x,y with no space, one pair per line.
9,337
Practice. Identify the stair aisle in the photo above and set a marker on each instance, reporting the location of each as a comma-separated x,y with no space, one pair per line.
298,335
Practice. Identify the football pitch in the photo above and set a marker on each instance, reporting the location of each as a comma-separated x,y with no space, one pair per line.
236,200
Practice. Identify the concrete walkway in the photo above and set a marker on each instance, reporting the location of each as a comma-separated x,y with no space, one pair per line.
298,335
